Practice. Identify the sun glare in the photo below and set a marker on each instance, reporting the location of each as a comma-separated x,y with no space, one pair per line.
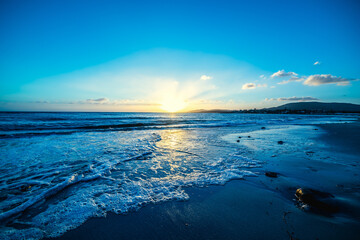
173,104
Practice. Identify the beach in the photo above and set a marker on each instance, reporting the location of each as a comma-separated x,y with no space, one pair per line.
258,207
184,176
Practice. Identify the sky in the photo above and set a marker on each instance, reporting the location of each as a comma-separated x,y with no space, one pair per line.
176,55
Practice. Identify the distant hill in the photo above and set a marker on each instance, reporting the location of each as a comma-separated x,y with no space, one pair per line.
317,106
296,108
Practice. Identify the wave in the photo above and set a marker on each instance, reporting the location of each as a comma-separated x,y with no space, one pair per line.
74,179
65,130
43,124
50,192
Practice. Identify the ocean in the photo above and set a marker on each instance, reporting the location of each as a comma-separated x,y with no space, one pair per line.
59,169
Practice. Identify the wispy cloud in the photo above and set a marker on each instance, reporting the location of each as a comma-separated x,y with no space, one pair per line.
317,63
292,79
116,102
102,101
262,76
298,99
97,101
205,77
313,80
320,79
252,86
40,101
282,73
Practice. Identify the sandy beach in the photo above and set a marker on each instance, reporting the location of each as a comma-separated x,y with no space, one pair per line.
260,207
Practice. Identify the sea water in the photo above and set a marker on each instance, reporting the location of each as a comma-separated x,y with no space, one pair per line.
59,169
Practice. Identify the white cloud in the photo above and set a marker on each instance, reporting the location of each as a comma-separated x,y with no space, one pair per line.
292,79
320,79
252,86
249,86
317,63
282,73
205,77
299,99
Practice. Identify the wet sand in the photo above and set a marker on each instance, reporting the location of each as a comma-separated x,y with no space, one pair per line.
344,137
256,207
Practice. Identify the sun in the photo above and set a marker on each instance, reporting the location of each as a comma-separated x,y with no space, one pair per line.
173,104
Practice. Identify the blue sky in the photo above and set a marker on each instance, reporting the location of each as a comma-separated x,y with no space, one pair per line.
171,55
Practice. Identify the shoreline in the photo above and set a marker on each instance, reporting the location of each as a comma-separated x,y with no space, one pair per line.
254,208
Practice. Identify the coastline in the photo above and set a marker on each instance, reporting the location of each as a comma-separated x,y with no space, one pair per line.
253,208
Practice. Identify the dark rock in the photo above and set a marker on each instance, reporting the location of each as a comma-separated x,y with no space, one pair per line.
263,127
271,174
237,140
316,129
239,137
249,136
321,202
280,142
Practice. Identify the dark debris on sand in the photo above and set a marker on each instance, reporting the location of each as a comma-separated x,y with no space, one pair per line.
316,201
271,174
309,153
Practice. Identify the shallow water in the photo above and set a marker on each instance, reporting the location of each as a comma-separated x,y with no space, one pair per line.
59,169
